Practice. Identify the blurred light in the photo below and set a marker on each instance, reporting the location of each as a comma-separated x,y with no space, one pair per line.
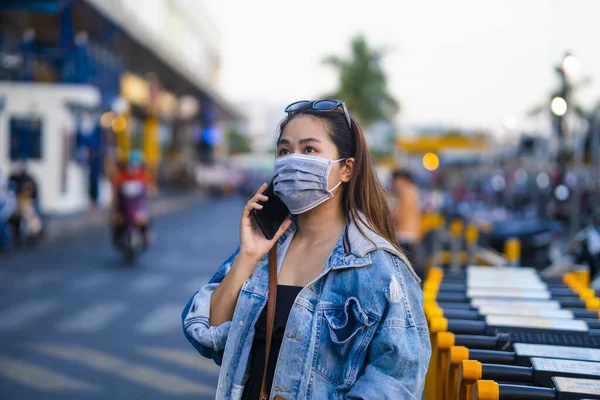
558,105
570,179
119,124
521,176
509,121
188,107
106,120
543,180
431,162
498,183
212,136
561,192
120,106
571,65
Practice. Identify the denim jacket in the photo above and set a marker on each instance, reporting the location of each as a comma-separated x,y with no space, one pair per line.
357,331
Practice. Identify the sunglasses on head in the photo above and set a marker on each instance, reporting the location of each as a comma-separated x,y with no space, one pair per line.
319,105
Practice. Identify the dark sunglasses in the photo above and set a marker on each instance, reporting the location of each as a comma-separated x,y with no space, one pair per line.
319,105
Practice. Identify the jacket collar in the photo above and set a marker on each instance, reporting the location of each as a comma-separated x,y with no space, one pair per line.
357,246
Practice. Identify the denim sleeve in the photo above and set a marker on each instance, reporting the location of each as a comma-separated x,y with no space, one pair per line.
398,356
208,340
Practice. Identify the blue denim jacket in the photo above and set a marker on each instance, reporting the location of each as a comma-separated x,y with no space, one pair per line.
357,331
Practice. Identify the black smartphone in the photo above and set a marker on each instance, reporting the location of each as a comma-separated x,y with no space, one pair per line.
272,215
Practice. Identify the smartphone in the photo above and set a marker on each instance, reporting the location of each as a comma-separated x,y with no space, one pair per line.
272,215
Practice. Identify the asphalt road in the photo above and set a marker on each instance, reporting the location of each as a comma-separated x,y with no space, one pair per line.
76,323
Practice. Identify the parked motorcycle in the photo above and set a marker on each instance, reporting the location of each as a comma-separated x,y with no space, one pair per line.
134,211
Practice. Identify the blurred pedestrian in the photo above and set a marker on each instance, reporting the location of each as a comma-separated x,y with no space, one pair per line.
345,293
26,220
407,216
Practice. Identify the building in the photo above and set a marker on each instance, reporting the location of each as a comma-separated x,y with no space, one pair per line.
84,81
261,124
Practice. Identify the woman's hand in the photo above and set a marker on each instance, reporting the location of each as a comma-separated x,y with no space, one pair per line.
253,244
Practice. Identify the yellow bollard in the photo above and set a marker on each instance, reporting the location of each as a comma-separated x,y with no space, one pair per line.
429,296
431,311
456,357
432,287
512,251
435,274
445,342
485,390
436,326
585,294
592,304
469,372
583,276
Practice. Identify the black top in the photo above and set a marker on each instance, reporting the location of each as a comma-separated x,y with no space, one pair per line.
286,295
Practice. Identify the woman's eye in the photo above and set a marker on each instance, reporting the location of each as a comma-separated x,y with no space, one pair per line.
283,152
310,150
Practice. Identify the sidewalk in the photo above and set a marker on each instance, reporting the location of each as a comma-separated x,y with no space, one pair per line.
166,202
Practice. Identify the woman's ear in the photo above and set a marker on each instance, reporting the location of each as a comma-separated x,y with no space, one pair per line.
347,169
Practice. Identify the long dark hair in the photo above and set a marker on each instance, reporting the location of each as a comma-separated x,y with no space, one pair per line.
364,193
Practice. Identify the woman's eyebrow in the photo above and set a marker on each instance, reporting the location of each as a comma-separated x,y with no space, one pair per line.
308,140
302,141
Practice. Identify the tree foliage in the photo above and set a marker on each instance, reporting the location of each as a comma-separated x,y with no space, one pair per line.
363,84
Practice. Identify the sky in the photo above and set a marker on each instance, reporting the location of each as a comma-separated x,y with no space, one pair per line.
464,63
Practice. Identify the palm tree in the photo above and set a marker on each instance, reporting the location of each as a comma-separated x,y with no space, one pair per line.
362,83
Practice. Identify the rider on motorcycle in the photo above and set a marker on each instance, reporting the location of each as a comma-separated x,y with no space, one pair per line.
134,172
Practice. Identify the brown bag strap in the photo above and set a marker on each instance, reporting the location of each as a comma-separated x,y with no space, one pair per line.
271,302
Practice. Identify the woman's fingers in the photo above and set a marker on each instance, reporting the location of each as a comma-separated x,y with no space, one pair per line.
252,204
261,189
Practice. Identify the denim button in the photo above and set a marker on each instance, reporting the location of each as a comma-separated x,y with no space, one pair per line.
242,323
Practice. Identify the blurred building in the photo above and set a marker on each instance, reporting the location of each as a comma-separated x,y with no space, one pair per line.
261,123
82,82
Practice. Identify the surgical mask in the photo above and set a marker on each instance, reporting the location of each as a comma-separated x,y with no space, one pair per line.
301,181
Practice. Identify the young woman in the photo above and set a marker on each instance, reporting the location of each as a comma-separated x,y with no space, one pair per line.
349,319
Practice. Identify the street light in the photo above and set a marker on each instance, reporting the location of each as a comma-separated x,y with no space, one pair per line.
558,105
571,65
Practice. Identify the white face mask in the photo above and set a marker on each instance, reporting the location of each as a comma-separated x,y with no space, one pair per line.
301,181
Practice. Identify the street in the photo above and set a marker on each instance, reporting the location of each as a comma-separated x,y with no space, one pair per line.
76,323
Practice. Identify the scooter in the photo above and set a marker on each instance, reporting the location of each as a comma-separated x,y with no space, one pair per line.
135,214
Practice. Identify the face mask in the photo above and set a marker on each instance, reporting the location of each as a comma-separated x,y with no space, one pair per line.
301,181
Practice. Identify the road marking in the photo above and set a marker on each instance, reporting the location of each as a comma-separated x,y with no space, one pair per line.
93,318
164,319
133,372
149,283
41,378
91,281
185,358
37,279
16,317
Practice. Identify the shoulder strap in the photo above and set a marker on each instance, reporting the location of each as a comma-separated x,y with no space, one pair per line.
271,302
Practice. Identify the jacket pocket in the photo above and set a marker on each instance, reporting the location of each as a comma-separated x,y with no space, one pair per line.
345,331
